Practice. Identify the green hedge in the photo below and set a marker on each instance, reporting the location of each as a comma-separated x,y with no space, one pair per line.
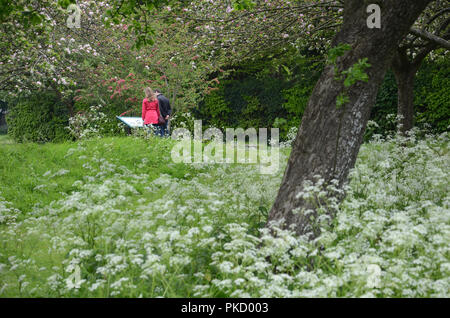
41,117
249,99
111,108
249,102
385,109
431,99
432,94
262,94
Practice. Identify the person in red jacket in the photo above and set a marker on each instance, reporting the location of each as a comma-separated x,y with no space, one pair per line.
150,110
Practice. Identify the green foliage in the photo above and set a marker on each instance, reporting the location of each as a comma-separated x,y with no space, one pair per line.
356,73
271,92
386,104
109,96
22,10
41,117
100,119
296,98
94,123
250,114
350,76
65,3
337,51
432,95
218,109
243,4
182,119
283,126
295,102
247,102
341,100
239,100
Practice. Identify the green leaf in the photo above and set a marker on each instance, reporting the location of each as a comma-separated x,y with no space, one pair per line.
243,4
35,18
65,3
287,70
263,210
337,51
341,100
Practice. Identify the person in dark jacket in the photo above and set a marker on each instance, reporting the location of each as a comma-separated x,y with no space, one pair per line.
166,110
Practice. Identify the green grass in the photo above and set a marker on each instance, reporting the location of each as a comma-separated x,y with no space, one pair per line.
23,166
5,140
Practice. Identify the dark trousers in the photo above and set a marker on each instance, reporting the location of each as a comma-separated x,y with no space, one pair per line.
164,129
155,128
159,130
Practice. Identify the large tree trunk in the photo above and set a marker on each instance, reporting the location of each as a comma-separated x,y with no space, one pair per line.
329,139
405,74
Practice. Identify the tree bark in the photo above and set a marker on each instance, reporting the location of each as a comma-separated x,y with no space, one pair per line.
405,74
329,138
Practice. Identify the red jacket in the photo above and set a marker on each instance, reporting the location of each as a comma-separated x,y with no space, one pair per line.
150,111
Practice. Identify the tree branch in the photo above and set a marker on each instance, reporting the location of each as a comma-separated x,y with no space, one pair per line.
431,37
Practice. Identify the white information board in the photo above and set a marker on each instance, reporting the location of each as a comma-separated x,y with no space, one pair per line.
132,122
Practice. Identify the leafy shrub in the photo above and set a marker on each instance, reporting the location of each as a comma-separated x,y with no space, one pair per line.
116,95
182,119
108,125
263,93
257,95
296,100
216,111
91,123
250,102
432,95
41,117
385,105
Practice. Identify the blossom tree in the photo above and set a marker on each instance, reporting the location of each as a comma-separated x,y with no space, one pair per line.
47,53
97,63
